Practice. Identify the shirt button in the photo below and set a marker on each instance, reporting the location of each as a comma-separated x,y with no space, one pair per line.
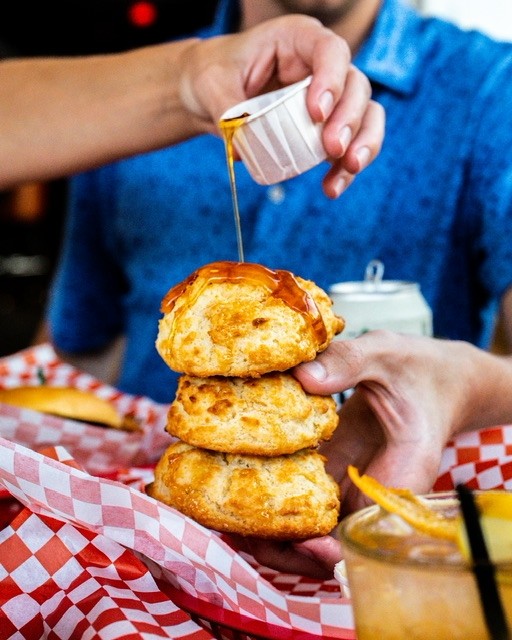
276,194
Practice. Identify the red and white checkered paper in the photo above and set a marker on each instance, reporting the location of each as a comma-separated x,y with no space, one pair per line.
97,449
174,547
60,581
480,459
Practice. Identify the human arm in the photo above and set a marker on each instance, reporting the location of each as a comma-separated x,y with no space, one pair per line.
412,395
104,364
63,115
339,94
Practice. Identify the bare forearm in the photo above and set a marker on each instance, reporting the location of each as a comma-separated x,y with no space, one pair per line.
488,392
58,116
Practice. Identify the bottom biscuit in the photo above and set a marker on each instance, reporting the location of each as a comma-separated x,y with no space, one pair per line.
288,497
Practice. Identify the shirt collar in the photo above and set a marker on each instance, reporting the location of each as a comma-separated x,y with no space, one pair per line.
227,17
390,55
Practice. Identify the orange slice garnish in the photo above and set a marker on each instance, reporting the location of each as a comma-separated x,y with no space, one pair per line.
405,504
495,509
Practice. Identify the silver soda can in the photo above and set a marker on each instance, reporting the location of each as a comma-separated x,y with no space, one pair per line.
375,303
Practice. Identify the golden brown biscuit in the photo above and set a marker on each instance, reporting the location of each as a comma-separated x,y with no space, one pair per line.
283,498
244,320
266,416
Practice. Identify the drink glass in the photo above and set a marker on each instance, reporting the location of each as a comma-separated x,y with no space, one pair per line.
409,586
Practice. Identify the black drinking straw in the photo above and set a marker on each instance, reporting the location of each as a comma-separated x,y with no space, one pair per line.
483,568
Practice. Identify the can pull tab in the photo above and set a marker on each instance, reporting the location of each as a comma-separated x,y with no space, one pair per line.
374,271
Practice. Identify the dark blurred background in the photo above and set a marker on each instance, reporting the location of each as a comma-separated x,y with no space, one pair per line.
71,27
31,215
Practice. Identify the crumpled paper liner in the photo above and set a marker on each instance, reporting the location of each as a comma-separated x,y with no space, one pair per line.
68,582
99,450
62,581
173,547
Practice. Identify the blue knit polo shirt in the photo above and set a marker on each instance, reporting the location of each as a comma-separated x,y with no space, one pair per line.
435,207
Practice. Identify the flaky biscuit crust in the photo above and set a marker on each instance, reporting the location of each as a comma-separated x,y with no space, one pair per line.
240,330
271,415
282,498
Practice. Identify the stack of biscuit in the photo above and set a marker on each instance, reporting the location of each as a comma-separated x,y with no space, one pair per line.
246,460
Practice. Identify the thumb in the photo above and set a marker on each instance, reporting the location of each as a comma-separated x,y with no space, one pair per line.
325,551
340,367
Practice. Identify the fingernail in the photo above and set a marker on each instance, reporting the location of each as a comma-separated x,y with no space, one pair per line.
345,138
326,103
363,155
315,370
340,186
304,551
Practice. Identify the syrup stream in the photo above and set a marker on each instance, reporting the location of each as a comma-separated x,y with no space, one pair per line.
228,128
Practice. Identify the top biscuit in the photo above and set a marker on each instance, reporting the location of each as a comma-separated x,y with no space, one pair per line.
244,320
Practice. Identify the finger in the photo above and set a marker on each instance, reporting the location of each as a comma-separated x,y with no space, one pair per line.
330,64
284,557
360,151
297,46
367,143
345,363
336,369
337,180
348,114
325,551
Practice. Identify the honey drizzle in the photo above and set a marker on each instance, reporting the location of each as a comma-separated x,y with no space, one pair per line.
228,127
279,283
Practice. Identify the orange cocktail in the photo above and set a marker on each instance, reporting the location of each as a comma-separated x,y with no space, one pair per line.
405,584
